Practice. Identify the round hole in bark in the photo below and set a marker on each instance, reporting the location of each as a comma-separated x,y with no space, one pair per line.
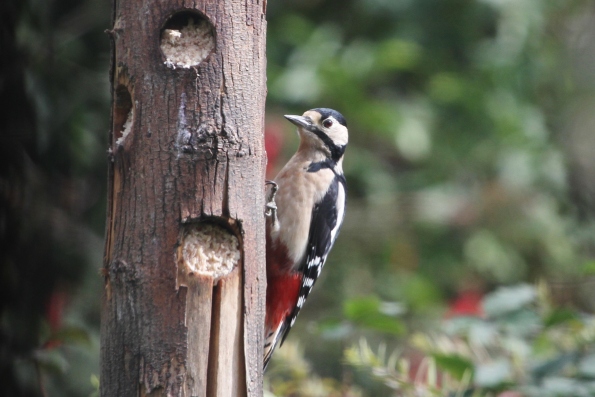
209,249
187,39
123,114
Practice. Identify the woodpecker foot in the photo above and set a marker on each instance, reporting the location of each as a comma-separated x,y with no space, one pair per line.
271,206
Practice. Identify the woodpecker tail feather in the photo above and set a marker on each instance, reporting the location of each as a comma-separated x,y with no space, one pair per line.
271,339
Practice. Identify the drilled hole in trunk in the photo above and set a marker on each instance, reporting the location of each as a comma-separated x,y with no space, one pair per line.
187,39
123,114
209,249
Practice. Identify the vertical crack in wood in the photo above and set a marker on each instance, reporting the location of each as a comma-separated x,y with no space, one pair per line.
225,203
226,371
214,342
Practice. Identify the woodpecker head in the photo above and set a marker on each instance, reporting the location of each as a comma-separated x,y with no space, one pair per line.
324,130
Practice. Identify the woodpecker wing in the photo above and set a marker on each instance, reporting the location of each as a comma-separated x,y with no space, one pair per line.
327,218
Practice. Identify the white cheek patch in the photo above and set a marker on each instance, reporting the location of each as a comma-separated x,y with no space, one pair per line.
338,133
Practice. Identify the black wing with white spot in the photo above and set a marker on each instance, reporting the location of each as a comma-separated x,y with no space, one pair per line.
327,218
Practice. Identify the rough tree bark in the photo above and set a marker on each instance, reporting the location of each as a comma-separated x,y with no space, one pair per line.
187,165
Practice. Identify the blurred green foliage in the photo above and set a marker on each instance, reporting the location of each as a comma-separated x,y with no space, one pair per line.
470,167
524,346
464,168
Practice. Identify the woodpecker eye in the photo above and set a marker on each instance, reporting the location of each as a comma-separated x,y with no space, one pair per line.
327,123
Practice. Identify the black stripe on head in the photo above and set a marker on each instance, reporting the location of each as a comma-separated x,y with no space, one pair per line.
336,150
326,112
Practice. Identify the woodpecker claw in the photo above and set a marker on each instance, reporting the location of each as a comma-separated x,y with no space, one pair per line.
271,206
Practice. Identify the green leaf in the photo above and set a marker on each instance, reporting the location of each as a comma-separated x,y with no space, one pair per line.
396,54
359,307
95,384
420,292
508,299
366,312
563,386
560,316
543,346
455,365
51,360
334,329
586,366
72,335
493,373
482,333
523,322
554,366
589,268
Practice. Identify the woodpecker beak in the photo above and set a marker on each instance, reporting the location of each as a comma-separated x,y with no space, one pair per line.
300,121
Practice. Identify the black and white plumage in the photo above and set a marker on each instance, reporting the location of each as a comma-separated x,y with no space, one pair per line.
327,218
310,207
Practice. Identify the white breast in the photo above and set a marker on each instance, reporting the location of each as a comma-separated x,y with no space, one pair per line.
298,191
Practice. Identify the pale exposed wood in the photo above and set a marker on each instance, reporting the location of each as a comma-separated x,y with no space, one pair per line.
227,353
199,295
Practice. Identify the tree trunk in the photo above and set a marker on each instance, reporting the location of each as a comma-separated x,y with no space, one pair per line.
183,306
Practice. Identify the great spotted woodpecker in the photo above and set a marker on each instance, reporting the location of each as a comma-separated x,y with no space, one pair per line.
305,212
